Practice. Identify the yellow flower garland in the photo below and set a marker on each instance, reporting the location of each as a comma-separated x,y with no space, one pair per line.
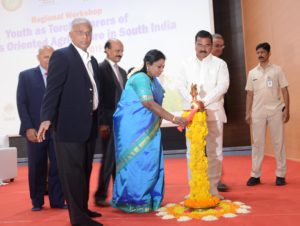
199,184
200,204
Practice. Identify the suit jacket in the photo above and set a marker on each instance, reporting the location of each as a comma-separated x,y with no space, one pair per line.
111,91
30,92
68,100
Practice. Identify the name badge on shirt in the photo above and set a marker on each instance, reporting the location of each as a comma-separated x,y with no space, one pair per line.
269,83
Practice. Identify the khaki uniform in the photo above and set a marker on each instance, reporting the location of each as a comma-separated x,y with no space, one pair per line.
266,110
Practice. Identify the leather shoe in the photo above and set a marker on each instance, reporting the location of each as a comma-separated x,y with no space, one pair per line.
64,206
102,203
36,208
222,187
253,181
93,214
280,181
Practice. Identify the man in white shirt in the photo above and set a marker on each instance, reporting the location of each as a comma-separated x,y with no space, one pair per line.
211,76
217,50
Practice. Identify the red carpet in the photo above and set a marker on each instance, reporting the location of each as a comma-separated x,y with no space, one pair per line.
271,205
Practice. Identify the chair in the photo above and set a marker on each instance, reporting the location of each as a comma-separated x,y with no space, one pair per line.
8,164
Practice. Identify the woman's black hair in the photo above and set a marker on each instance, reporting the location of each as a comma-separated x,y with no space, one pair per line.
151,57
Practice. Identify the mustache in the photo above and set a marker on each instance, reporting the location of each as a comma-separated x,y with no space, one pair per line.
203,51
261,57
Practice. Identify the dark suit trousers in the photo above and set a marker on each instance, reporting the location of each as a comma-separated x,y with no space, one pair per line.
107,169
38,154
75,167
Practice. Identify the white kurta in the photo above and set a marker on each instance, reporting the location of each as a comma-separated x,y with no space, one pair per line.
212,78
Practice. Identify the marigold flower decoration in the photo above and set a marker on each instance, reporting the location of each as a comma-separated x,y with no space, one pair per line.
200,204
199,184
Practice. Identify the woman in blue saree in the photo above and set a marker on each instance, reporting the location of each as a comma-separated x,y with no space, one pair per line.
139,182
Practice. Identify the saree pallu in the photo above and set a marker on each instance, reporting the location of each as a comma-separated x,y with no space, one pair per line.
139,182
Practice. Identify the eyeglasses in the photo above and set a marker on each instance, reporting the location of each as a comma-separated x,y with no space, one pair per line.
84,33
219,46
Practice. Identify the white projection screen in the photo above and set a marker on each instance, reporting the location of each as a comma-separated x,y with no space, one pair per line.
167,25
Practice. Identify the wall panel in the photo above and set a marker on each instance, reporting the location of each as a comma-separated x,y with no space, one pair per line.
277,22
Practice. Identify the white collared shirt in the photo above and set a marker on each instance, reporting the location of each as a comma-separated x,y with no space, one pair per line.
86,58
112,64
43,72
212,79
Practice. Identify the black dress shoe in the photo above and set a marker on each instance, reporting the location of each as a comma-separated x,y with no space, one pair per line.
280,181
93,214
64,206
36,208
101,203
222,187
253,181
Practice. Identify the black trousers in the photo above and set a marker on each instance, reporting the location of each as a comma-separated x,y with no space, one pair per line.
38,155
75,167
108,167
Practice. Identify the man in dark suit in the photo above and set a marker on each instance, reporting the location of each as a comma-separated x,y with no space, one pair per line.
113,79
30,92
70,106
